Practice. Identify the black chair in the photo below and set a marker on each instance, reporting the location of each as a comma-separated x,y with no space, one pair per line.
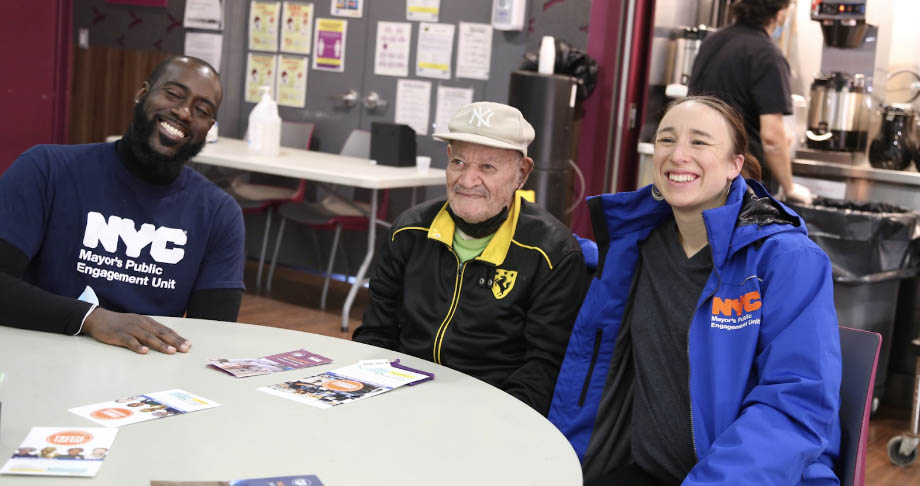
859,351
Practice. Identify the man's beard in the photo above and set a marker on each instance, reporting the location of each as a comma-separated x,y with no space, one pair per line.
147,164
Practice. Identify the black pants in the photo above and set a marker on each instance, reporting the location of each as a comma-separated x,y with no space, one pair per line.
626,475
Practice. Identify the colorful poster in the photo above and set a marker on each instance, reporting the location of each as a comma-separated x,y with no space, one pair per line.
435,48
61,451
292,360
329,40
392,56
347,8
361,380
474,50
450,100
292,81
297,27
413,103
141,408
423,10
260,71
263,26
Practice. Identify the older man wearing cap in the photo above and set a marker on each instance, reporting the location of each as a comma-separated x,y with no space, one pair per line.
484,282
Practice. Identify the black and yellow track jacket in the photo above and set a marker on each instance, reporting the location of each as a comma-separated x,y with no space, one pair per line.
503,317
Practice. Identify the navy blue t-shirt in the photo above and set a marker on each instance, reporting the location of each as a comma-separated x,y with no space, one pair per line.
84,220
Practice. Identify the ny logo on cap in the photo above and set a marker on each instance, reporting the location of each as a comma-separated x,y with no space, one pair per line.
483,116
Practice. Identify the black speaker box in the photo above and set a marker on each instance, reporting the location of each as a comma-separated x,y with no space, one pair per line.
393,144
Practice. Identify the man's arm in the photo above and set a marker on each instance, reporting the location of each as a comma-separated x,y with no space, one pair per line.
26,306
553,306
776,153
776,149
215,304
379,326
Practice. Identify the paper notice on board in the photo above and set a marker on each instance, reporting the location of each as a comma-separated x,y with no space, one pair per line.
292,81
260,71
347,8
263,26
450,100
203,14
435,50
413,100
329,40
296,27
393,42
423,10
474,50
204,45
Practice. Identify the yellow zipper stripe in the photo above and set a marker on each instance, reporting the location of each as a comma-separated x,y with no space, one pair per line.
452,312
548,262
438,337
393,238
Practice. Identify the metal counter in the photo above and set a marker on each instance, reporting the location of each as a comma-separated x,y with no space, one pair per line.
860,182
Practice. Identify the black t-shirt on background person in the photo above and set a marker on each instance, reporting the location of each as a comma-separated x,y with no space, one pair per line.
741,66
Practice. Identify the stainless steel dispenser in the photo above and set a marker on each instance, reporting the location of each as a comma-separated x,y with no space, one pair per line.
838,113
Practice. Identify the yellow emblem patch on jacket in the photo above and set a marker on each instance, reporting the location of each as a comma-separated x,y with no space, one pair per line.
503,282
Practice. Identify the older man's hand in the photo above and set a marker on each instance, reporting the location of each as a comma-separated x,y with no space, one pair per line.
135,332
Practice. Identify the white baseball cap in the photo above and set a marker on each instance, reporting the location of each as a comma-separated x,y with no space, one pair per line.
491,124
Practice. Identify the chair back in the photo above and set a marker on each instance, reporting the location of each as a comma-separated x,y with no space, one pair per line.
296,134
358,144
859,351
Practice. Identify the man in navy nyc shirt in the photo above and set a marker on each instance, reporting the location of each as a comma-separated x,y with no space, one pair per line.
124,226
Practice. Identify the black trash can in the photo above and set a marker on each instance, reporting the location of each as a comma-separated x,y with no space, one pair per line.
873,247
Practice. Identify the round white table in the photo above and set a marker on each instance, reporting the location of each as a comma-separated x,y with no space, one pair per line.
455,430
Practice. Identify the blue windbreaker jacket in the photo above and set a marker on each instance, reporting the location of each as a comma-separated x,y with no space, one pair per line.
763,345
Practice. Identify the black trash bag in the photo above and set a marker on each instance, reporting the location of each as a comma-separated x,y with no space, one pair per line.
570,61
865,241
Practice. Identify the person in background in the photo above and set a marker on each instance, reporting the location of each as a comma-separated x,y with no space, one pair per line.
706,350
484,282
742,66
125,226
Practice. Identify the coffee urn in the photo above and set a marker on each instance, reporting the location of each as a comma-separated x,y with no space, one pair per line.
683,46
838,113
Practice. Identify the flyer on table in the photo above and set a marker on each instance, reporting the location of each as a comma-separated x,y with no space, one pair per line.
303,480
263,26
61,451
260,70
297,27
361,380
141,408
291,360
330,45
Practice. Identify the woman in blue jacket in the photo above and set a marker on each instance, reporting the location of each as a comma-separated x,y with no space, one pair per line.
706,350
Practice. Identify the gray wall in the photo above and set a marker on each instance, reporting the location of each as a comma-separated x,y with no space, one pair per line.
160,29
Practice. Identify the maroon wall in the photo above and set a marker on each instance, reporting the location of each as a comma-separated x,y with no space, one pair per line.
34,87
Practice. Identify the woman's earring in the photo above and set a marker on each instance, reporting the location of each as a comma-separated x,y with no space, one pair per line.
656,194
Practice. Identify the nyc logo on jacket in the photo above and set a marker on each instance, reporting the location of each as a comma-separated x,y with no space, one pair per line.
163,244
736,312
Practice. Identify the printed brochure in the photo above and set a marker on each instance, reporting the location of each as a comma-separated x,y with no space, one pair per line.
61,451
310,480
141,408
361,380
292,360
